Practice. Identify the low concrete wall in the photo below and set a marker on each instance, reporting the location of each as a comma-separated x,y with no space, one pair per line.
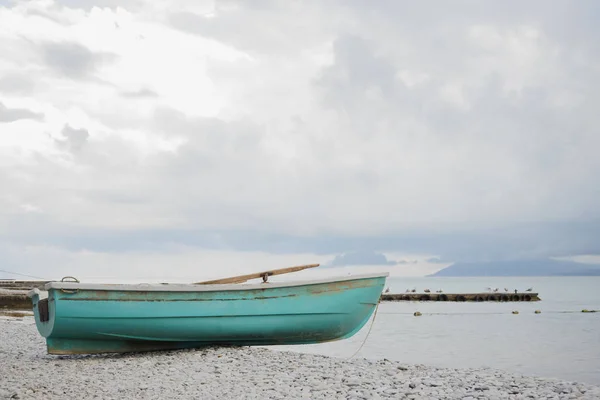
15,301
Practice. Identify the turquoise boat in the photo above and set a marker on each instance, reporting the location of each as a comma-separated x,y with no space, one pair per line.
80,318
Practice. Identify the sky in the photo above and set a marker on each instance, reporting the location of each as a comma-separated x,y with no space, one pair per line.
197,139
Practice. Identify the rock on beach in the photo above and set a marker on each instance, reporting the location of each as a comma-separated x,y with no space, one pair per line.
27,372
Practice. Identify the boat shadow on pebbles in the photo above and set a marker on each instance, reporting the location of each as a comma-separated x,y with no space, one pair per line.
197,351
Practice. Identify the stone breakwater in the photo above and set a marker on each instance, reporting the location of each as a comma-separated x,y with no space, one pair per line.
14,300
27,372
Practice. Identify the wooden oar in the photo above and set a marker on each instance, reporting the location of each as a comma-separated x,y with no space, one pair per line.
264,275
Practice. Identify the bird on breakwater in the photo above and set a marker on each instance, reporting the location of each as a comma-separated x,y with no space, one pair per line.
496,290
439,291
489,289
505,289
427,291
529,290
414,290
387,290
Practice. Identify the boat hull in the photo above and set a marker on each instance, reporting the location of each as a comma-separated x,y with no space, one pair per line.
83,320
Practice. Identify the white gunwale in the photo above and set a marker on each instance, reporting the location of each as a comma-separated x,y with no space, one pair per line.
183,287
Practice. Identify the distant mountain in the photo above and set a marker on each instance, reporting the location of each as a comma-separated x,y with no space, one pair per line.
545,267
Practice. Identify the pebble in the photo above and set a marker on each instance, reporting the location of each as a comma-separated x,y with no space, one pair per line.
247,373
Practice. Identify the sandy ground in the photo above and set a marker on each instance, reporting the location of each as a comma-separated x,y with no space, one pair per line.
27,372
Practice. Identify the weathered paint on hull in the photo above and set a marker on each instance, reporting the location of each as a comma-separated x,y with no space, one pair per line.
96,321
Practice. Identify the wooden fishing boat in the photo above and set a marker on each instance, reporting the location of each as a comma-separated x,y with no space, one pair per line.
80,318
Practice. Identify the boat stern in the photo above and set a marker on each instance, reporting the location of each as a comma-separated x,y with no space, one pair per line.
43,310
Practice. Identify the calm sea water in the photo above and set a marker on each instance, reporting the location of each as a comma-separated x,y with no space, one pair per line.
561,342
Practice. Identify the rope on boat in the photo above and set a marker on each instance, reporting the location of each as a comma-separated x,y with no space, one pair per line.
368,332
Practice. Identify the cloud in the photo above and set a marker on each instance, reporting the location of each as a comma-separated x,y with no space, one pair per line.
15,114
73,59
270,28
361,258
140,94
147,266
356,72
16,83
88,5
404,262
468,131
75,138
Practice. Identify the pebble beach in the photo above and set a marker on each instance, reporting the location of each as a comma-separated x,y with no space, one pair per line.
27,372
